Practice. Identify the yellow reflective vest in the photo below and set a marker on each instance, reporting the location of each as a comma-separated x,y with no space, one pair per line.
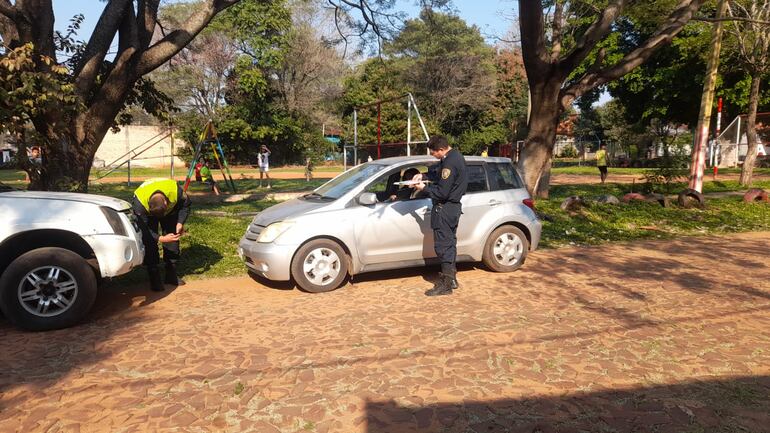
168,187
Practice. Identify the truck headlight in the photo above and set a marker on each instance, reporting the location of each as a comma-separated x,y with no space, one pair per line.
271,232
113,218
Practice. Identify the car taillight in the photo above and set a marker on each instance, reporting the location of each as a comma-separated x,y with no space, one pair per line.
528,202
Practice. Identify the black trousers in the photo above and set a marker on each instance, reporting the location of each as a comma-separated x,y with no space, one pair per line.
444,220
150,233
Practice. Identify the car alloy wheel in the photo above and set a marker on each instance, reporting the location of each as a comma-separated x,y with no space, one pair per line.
47,291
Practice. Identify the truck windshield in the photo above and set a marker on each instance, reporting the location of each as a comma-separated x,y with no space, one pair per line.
348,180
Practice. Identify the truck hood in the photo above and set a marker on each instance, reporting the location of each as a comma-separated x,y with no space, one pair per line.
288,210
99,200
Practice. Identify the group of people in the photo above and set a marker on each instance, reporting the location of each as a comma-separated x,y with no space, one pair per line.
162,208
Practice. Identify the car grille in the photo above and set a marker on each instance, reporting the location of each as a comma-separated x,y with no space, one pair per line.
252,233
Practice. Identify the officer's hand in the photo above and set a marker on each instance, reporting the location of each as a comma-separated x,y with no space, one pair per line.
170,237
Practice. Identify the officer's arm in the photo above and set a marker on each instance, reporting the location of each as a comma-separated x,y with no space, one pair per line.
440,190
184,203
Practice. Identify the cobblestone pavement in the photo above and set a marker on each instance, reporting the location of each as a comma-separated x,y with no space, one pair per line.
644,337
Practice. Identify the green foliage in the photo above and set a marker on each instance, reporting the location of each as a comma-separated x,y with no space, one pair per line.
463,89
569,152
31,85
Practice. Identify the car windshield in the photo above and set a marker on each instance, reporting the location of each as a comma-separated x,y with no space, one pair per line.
348,180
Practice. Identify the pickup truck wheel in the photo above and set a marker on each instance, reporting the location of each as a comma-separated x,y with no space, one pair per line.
47,288
320,265
506,249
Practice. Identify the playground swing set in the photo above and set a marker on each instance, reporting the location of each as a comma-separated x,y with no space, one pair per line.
411,106
208,137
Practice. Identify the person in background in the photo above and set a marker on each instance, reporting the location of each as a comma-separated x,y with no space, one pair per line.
601,161
263,158
161,202
207,177
485,152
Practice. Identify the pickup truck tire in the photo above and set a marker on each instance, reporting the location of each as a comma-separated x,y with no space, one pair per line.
506,249
47,288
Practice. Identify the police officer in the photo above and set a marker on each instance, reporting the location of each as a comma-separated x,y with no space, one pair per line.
449,181
161,202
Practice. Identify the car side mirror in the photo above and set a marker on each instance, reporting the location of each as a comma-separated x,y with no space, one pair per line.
367,198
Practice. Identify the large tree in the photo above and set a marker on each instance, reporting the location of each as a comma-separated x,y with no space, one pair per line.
751,30
563,47
101,85
98,86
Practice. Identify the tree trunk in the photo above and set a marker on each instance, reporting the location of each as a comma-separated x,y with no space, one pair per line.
747,171
535,161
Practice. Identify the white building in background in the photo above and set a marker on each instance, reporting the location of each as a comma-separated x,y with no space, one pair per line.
131,140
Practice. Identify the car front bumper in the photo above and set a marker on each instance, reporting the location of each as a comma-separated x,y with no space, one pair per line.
116,254
267,259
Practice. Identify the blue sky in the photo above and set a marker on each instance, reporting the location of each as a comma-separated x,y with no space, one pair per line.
493,17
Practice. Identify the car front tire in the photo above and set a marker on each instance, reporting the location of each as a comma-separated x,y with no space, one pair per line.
506,249
320,265
47,288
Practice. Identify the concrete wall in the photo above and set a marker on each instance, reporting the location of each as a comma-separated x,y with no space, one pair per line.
129,138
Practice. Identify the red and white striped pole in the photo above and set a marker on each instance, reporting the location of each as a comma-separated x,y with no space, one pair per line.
704,118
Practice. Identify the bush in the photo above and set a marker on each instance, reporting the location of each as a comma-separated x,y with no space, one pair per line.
569,152
669,170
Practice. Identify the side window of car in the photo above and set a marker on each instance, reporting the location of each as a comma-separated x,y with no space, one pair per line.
477,179
503,176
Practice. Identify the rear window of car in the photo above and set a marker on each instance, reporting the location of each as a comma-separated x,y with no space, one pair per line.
477,179
503,176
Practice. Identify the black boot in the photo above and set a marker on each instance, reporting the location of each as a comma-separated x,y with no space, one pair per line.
441,287
156,285
452,281
171,277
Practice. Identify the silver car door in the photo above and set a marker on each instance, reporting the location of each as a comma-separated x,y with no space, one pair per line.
480,208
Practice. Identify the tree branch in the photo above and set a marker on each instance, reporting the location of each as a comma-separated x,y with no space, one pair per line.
665,33
98,45
716,20
147,14
167,47
533,35
595,33
7,9
557,28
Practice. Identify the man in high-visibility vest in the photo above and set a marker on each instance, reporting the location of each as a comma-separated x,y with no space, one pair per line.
161,202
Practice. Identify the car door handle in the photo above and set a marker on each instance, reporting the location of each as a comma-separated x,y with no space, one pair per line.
494,202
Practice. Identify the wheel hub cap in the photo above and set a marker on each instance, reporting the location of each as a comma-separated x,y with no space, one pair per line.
47,291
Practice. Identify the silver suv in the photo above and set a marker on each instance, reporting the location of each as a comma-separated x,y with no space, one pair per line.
360,221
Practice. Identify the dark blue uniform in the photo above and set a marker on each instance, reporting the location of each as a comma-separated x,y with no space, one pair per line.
450,180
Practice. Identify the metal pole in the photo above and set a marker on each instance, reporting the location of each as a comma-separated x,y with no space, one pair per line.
408,126
355,137
704,118
171,132
379,128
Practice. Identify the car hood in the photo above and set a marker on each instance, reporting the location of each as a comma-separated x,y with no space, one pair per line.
99,200
288,210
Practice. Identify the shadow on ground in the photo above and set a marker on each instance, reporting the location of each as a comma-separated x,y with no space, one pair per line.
738,405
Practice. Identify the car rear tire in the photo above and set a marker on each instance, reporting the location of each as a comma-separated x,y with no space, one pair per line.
47,288
320,265
506,249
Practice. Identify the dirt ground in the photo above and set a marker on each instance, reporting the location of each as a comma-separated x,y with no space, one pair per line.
651,336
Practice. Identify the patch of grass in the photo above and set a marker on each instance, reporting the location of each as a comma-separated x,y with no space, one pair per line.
602,223
238,388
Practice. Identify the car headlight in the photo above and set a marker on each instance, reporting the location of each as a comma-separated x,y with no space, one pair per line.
271,232
113,218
